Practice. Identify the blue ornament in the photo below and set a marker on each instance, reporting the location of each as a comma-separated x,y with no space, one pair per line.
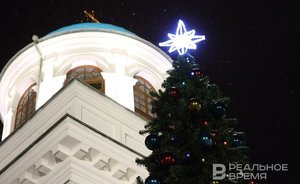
218,110
237,141
152,180
206,140
152,141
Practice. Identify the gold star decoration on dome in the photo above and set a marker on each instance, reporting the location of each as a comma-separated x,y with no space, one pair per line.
90,16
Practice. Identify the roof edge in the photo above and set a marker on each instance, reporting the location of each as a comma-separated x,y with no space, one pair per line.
91,26
78,31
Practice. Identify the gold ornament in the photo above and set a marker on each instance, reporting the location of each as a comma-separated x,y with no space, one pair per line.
195,105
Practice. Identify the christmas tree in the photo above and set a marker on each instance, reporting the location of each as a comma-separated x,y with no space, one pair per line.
191,129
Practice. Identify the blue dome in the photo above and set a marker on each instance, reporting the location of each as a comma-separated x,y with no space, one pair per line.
91,26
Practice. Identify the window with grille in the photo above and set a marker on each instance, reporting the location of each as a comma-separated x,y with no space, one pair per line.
142,98
88,74
26,106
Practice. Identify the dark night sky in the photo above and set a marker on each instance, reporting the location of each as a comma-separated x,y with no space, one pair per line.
250,52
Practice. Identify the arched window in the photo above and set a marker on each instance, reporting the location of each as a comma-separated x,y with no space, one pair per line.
142,98
88,74
26,106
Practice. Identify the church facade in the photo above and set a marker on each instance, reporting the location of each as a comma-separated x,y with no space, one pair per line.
72,104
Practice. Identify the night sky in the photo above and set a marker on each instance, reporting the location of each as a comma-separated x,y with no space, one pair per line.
250,52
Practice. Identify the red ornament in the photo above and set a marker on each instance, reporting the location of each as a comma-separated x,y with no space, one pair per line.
173,92
197,72
167,159
205,123
225,143
251,182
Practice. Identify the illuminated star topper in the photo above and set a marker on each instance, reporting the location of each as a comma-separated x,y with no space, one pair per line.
182,40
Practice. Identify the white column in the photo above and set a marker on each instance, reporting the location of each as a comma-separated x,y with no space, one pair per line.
8,124
120,88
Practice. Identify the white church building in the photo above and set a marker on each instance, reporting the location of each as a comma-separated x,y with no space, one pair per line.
72,104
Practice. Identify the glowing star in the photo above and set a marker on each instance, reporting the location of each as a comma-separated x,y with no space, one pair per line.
182,40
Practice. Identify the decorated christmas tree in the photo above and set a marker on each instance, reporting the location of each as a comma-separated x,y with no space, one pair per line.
191,129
